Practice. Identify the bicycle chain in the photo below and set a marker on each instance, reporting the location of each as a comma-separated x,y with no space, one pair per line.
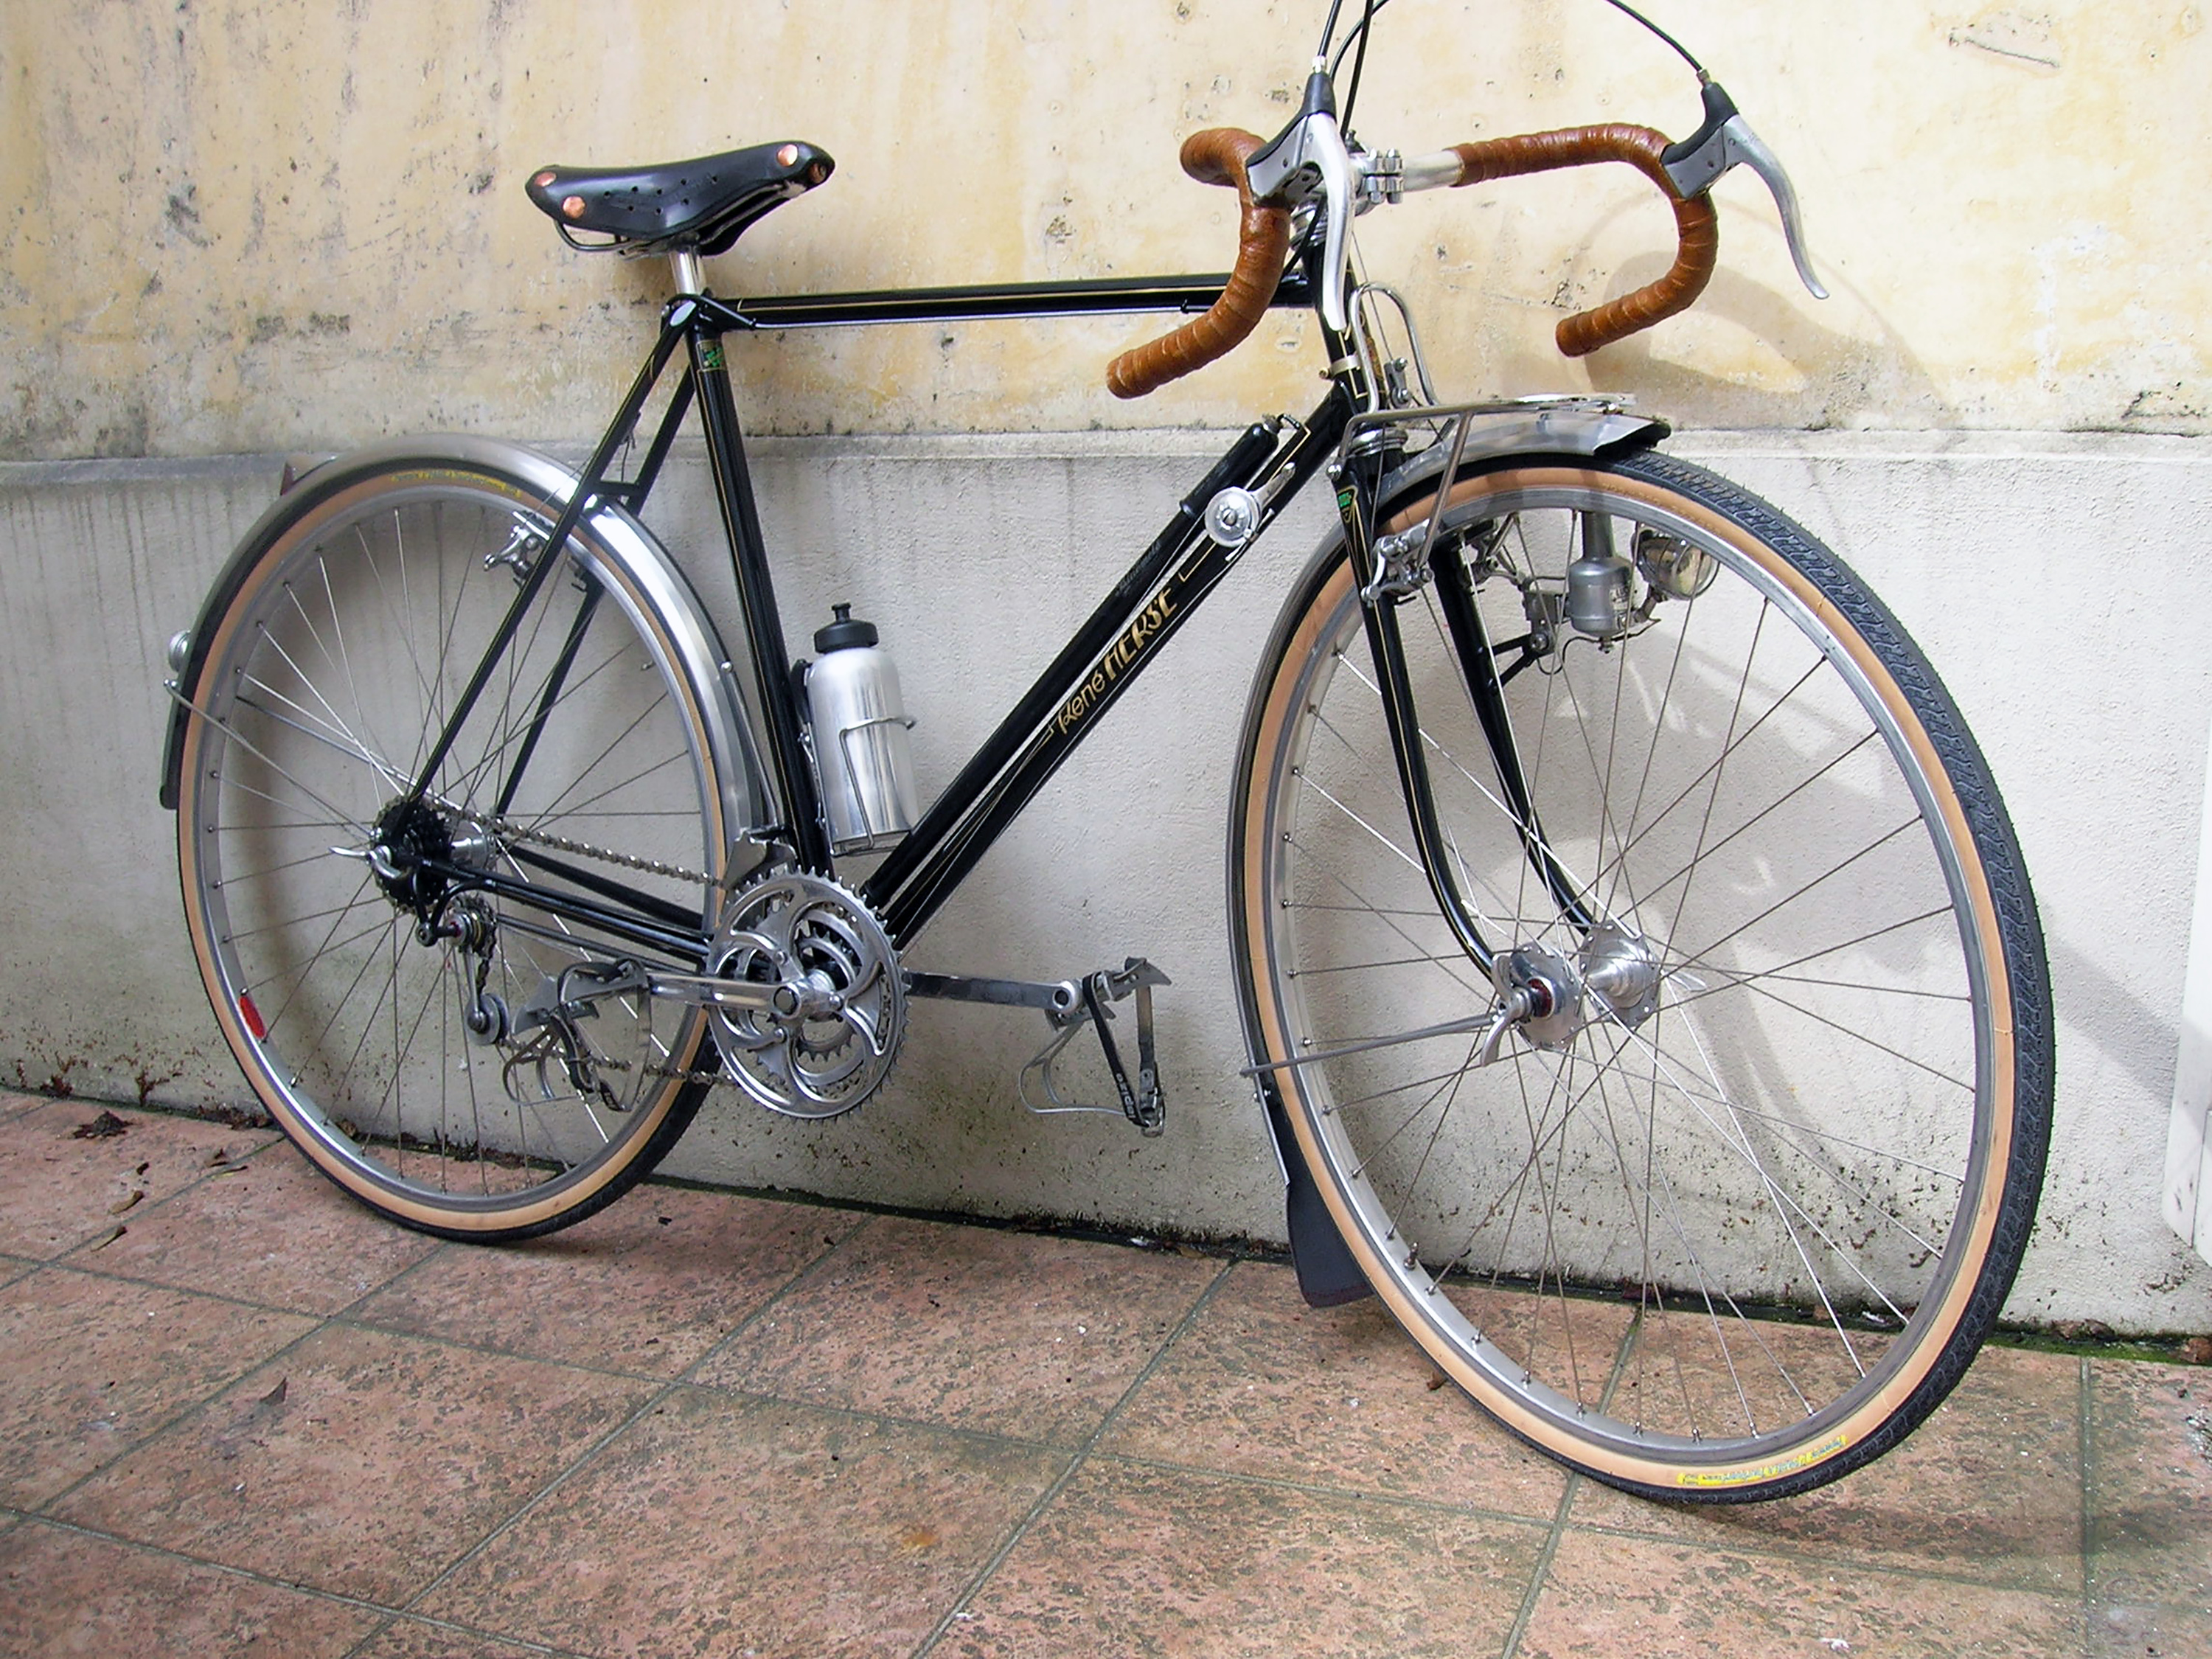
512,831
674,1074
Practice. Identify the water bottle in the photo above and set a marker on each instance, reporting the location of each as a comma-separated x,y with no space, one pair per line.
863,758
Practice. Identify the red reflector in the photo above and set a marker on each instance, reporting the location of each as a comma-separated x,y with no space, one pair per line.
252,1015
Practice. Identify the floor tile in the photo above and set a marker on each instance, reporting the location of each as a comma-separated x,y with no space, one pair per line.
12,1103
2151,1482
95,1364
1988,1488
998,1332
271,1230
719,1524
648,1285
2123,1630
14,1267
418,1638
1136,1560
1261,1384
360,1462
62,1593
1656,1600
59,1190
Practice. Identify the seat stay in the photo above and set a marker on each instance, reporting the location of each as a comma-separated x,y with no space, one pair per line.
581,499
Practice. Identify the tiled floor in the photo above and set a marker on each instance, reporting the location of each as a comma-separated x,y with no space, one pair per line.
239,1415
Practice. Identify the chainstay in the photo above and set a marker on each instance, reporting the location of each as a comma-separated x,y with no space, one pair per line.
507,829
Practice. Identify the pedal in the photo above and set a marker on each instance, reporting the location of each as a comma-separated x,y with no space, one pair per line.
1142,1102
544,1032
1068,1006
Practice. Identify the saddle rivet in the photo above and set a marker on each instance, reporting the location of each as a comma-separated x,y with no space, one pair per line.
573,207
787,155
543,179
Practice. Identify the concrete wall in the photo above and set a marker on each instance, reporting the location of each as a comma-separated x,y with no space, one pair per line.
238,227
240,230
2039,572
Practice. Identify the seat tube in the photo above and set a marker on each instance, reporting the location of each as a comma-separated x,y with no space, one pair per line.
779,695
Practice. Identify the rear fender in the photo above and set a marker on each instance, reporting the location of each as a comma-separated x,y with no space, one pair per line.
748,803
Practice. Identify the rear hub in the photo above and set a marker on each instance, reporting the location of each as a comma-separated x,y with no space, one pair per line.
410,832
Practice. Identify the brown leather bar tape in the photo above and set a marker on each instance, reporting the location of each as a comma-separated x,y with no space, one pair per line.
1696,226
1216,156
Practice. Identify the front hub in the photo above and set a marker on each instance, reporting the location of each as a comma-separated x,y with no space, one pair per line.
1613,978
1538,979
1620,970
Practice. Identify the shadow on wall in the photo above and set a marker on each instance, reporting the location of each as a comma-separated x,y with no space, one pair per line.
2106,1025
1844,379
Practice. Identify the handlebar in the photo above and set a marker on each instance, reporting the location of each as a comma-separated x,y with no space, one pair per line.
1696,226
1216,156
1307,163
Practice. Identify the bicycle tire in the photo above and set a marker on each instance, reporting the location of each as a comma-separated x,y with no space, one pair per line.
1735,1237
339,638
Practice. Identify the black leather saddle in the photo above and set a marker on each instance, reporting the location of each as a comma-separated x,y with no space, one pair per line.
701,204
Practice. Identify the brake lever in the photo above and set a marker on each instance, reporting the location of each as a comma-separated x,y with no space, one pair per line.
1724,140
1307,159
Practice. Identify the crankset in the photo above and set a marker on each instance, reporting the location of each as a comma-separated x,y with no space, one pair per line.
809,1003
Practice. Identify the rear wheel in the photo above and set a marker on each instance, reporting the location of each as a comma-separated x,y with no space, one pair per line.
1737,1212
512,1075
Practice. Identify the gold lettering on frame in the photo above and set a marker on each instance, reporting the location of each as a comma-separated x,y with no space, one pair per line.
1124,650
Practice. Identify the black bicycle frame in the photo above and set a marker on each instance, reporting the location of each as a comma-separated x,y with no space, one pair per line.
1122,635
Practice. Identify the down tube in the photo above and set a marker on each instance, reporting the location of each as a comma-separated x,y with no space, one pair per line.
1121,637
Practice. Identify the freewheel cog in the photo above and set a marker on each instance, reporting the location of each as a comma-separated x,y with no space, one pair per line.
827,1042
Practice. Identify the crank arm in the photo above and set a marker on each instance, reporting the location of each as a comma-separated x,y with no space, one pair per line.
562,999
783,1000
1060,1002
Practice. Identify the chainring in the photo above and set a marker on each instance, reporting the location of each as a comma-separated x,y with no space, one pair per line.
832,1045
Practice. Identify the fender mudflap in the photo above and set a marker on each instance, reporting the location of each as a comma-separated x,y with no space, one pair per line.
1327,1276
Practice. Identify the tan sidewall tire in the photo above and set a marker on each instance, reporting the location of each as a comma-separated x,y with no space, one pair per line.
650,1132
1791,1459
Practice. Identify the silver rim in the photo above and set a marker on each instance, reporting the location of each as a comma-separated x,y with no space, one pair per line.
1734,1203
330,677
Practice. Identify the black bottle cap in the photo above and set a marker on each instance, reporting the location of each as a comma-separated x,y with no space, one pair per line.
844,633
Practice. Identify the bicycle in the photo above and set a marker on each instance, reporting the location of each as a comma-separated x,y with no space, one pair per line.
1640,978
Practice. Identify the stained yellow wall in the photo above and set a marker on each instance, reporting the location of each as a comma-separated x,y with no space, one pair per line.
235,226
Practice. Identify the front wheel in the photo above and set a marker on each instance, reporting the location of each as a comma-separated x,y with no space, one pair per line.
454,1055
1737,1212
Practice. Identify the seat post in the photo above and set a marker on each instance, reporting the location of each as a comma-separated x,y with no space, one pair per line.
684,261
